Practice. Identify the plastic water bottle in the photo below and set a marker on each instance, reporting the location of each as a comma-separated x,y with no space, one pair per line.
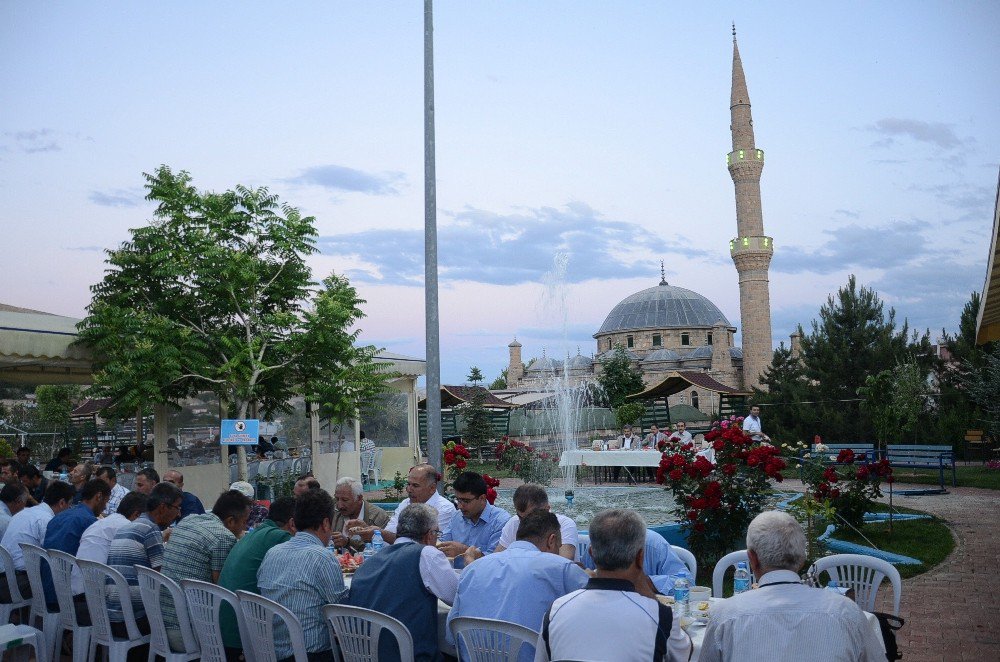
741,580
368,552
63,476
377,542
832,586
682,589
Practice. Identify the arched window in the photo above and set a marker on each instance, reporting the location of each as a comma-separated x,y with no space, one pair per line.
694,399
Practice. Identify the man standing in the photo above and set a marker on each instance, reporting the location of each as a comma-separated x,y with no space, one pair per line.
355,516
146,480
302,575
109,476
784,619
644,628
190,504
140,542
65,530
239,572
521,583
421,487
751,425
527,499
480,524
406,580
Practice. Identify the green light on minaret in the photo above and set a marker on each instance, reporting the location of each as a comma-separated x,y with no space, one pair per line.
732,244
767,240
741,155
746,241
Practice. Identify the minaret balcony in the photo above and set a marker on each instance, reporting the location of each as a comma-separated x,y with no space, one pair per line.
737,155
741,245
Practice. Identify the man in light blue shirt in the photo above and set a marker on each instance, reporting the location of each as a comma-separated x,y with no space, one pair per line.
303,575
520,584
481,522
660,562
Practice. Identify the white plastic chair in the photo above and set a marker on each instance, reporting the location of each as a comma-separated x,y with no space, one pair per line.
204,601
98,581
152,585
864,574
62,565
376,468
33,558
582,547
258,617
17,601
688,558
488,640
725,563
24,635
357,630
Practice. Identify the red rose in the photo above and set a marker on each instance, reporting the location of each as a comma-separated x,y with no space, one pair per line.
719,445
460,463
831,475
835,493
676,474
491,495
692,515
714,502
699,503
449,458
753,460
845,456
862,473
679,460
729,469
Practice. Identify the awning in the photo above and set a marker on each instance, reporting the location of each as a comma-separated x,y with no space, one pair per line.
38,348
988,321
453,396
407,366
680,380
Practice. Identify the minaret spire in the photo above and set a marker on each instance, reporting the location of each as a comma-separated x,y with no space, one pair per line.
751,250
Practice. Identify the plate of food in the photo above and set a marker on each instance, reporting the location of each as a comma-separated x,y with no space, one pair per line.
700,612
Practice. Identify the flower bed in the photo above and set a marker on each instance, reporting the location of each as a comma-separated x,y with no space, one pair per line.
525,463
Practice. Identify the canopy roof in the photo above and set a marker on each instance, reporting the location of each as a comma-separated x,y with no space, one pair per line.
988,322
452,396
677,381
38,348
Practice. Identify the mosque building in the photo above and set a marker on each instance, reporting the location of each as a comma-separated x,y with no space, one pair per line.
666,328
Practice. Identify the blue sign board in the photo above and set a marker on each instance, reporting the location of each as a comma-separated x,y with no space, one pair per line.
240,432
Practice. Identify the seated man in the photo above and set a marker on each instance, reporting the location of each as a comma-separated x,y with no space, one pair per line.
95,543
191,504
522,582
481,522
60,462
146,480
643,628
29,525
140,542
681,436
302,575
527,499
659,562
421,487
33,479
406,580
65,531
239,573
784,619
355,516
110,476
304,483
13,499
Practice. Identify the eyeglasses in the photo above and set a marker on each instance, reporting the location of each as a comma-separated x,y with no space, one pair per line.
465,501
437,532
173,506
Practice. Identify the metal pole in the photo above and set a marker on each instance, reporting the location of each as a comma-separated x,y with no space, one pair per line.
430,251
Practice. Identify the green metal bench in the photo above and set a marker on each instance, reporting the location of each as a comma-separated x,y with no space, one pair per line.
923,457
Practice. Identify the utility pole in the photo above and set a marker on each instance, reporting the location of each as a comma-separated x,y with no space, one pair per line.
433,346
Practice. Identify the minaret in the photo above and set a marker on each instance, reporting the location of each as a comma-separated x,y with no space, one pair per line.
751,249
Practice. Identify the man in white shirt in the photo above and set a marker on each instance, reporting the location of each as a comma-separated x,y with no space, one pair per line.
421,486
616,616
30,525
96,539
527,499
783,619
681,436
13,499
751,425
108,475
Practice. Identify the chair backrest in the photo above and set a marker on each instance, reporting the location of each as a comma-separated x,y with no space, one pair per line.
152,585
688,558
583,547
96,580
357,630
725,563
864,574
488,640
258,616
8,566
33,558
61,564
204,601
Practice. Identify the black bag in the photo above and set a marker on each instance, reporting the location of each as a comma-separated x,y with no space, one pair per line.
889,624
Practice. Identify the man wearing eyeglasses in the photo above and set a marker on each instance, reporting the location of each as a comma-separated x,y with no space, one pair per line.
481,522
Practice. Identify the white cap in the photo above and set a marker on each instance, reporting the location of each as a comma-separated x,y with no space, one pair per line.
243,488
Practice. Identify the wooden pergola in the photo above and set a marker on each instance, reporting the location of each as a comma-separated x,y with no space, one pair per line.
655,398
453,397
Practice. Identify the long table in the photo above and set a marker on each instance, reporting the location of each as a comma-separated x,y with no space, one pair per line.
644,458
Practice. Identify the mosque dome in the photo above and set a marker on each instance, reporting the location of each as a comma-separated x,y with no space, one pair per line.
663,307
662,355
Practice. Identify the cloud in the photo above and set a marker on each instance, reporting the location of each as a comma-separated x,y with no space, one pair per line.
848,213
854,246
116,198
930,293
508,249
35,140
935,133
962,197
86,249
342,178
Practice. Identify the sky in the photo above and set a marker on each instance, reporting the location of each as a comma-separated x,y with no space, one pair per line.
590,133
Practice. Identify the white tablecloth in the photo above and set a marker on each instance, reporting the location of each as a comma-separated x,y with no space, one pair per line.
610,458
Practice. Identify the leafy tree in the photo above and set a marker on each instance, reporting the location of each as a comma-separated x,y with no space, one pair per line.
215,294
618,379
984,385
53,405
782,401
500,382
628,413
894,399
475,376
477,427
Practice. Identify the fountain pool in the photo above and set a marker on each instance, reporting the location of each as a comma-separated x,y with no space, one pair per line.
653,503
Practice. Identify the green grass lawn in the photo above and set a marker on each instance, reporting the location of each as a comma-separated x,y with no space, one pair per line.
976,475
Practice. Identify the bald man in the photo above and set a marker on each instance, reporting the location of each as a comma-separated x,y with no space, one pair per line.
421,486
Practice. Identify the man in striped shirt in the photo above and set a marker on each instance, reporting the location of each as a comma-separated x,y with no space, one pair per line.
108,475
303,575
